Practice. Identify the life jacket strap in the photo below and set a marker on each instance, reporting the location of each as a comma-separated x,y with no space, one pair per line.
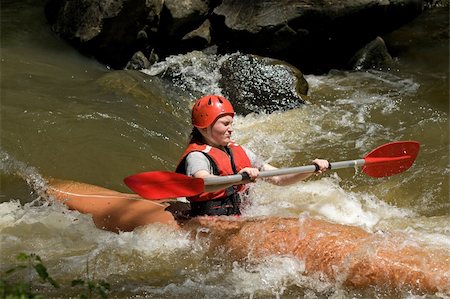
216,207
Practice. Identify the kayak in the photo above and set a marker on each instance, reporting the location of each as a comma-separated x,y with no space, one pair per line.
111,210
340,253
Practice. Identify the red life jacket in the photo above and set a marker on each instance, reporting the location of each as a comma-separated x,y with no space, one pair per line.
221,162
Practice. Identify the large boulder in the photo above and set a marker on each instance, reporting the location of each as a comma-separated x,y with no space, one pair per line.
312,35
262,84
252,83
315,36
111,30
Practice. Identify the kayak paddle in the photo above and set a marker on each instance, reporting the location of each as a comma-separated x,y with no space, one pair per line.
386,160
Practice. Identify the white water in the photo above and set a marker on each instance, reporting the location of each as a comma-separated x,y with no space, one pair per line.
66,116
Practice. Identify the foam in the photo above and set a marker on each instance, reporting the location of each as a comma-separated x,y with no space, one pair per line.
324,198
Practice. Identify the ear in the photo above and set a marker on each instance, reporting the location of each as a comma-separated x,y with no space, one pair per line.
203,131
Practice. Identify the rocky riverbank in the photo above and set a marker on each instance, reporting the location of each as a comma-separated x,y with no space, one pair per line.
313,36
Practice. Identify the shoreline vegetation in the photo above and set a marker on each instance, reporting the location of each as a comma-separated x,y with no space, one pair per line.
19,281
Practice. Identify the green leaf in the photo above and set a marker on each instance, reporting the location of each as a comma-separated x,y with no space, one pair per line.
104,285
53,282
22,257
41,270
77,282
15,269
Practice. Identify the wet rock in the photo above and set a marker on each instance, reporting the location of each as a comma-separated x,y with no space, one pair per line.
201,36
183,26
132,84
112,31
315,36
183,15
138,62
374,55
252,83
257,84
153,92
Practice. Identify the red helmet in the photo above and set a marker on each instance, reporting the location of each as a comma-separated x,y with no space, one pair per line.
208,108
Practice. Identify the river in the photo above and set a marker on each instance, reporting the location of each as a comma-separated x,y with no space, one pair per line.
64,115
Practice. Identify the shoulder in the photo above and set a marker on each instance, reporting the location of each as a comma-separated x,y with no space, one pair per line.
197,158
196,161
196,154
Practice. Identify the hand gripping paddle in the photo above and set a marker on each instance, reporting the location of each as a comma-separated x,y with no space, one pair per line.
386,160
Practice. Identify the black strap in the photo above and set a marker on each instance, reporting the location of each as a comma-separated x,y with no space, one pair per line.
216,207
230,205
230,153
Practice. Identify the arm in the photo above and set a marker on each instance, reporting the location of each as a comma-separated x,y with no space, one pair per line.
283,180
201,168
252,172
198,166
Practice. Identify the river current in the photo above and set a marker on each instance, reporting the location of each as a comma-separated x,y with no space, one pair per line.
64,115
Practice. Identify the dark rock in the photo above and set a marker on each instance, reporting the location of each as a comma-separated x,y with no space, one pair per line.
138,62
257,84
184,15
252,83
202,34
110,30
315,36
182,27
374,55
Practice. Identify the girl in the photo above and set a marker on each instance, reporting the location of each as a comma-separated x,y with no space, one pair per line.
211,152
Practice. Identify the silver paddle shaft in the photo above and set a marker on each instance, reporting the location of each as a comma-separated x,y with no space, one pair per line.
236,178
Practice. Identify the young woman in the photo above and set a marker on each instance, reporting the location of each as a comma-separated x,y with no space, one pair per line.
211,152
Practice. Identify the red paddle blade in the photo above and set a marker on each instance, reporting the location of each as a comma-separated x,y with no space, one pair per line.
390,158
162,184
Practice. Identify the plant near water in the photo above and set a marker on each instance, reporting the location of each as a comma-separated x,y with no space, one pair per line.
91,286
23,289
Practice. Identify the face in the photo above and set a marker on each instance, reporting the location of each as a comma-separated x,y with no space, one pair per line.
219,133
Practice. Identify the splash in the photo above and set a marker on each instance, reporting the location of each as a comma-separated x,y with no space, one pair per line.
10,166
195,72
326,199
274,275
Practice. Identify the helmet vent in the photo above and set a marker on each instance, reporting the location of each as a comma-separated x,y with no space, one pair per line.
209,101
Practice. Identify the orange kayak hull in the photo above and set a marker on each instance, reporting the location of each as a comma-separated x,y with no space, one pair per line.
111,210
341,253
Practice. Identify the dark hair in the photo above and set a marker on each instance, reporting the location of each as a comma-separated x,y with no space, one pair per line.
196,136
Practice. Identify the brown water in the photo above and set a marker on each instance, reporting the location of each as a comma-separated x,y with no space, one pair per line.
64,115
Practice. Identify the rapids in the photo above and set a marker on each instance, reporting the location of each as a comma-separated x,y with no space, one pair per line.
66,116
